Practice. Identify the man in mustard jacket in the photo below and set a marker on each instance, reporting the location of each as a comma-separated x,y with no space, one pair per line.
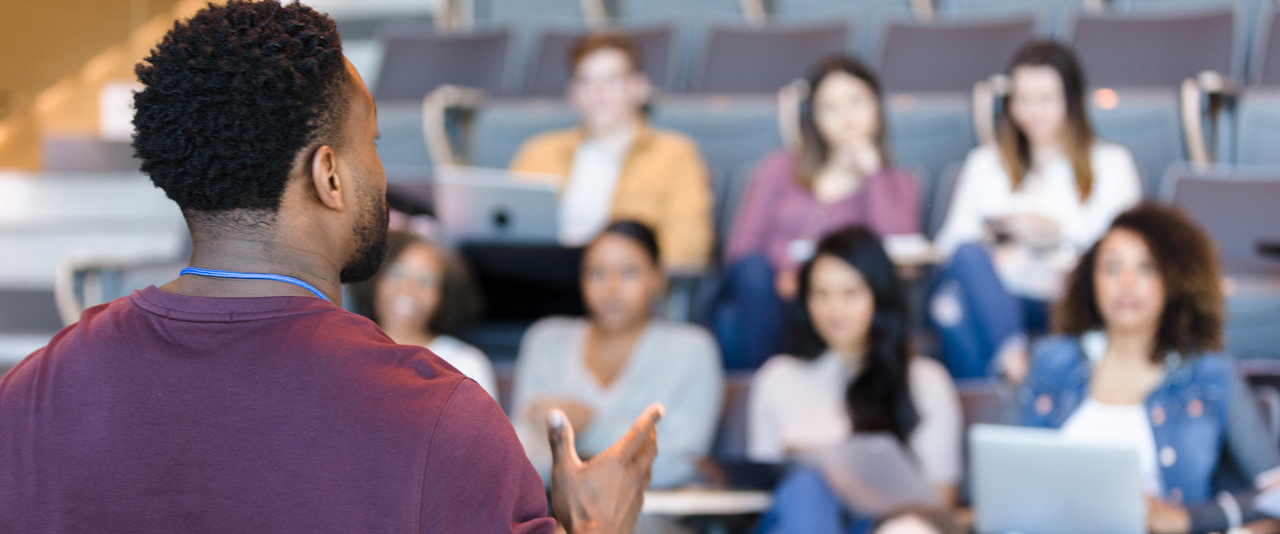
615,166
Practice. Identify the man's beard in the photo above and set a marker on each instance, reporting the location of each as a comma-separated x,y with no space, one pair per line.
371,233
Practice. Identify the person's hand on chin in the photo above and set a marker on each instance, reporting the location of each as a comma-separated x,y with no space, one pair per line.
604,494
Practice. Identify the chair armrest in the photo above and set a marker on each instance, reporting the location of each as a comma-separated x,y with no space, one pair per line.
1219,91
434,124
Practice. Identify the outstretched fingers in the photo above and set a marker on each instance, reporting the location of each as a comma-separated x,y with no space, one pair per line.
640,444
564,451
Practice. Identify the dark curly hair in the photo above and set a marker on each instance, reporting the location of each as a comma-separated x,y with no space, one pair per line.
231,96
1187,260
460,298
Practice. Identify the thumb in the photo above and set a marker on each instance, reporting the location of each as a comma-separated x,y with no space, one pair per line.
643,431
560,432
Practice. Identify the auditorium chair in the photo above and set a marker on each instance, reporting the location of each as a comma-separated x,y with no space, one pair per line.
690,19
501,126
529,20
1147,122
864,10
983,401
760,60
938,204
730,191
56,220
870,17
948,56
1048,14
416,60
1237,206
929,130
1250,10
1263,377
518,13
730,131
401,145
1265,67
78,153
548,67
1258,126
731,436
1158,48
25,314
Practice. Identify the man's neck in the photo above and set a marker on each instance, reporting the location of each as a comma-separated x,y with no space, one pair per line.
257,255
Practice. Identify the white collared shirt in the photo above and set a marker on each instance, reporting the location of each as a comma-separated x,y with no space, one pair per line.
984,191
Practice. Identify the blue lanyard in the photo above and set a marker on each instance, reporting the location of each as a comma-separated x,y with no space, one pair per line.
254,276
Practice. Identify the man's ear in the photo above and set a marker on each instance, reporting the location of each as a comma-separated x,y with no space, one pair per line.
325,179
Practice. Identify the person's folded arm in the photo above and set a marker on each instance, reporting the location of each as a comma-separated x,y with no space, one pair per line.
536,376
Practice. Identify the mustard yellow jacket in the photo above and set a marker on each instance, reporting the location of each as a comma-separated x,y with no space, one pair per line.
663,184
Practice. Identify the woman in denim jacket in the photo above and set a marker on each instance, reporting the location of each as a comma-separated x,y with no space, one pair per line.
1139,366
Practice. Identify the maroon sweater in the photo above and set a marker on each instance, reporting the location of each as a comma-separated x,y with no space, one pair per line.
165,413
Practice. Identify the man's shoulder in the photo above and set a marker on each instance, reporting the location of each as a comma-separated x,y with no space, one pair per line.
671,141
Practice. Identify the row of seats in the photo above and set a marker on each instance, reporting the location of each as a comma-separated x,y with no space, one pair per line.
927,132
1118,50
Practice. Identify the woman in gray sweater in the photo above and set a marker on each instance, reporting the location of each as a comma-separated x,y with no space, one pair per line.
603,370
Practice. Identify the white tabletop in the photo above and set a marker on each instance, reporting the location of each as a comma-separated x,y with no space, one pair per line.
705,502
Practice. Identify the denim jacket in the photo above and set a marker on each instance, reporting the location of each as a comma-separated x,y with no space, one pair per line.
1200,414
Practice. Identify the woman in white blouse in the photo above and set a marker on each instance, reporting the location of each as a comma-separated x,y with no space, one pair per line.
850,369
1046,189
604,370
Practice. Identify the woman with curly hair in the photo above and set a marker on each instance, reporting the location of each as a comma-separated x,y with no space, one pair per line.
1138,364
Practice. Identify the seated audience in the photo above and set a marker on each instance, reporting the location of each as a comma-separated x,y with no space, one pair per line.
604,370
1137,365
850,370
423,296
615,166
840,176
1044,190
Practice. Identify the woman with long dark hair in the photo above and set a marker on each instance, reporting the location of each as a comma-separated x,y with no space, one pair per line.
1023,206
850,369
1139,364
840,176
605,369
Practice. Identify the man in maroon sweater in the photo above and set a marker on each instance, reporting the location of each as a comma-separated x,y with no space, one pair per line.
240,397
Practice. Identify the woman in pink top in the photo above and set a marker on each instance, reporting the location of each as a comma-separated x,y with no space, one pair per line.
841,176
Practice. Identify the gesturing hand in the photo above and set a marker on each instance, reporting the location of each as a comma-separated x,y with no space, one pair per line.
603,495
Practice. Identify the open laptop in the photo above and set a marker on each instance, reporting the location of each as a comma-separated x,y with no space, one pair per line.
482,205
1031,481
